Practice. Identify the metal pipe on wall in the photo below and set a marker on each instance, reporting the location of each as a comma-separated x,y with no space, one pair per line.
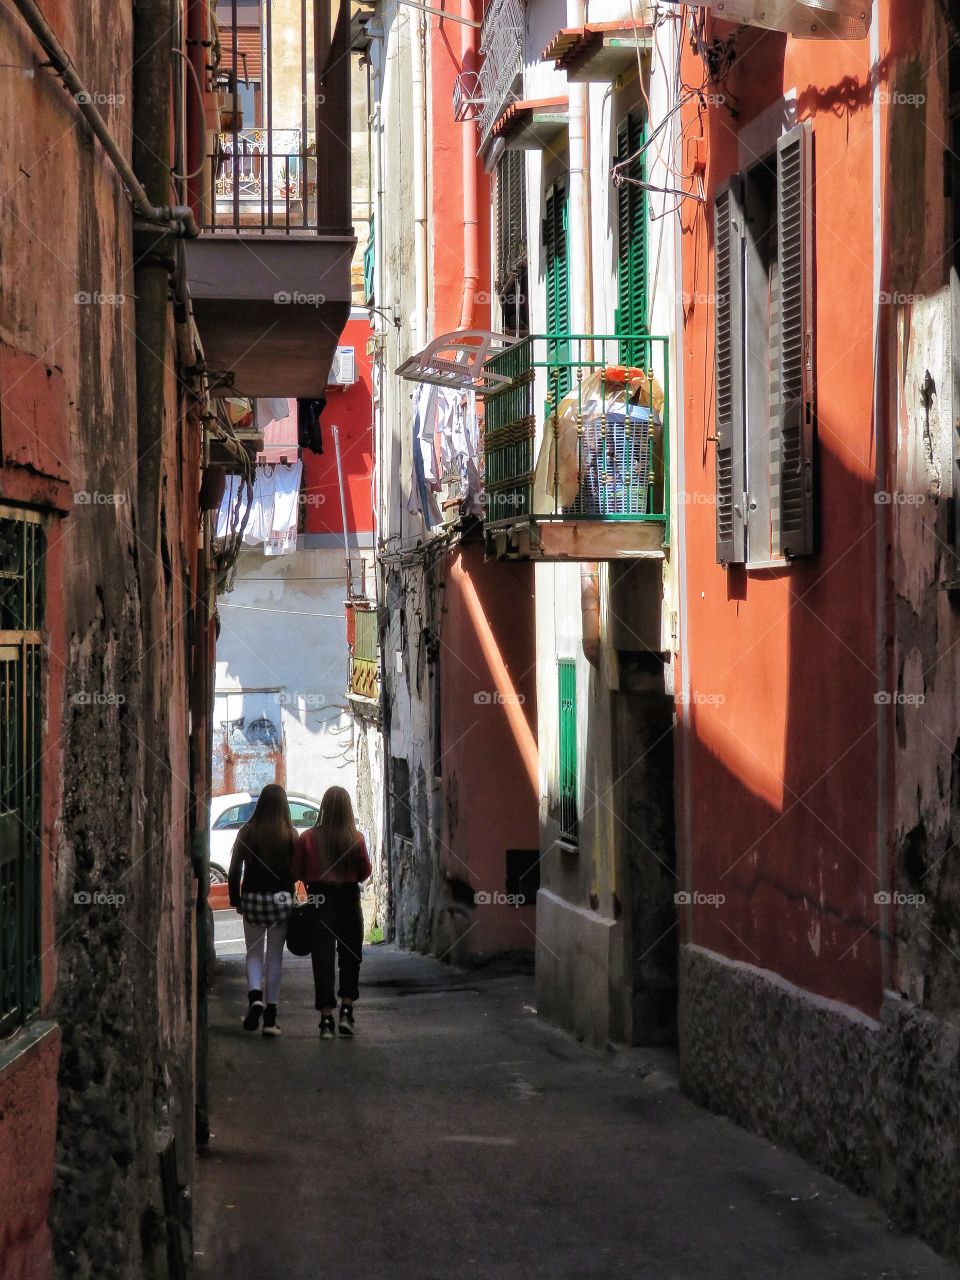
417,73
469,50
62,63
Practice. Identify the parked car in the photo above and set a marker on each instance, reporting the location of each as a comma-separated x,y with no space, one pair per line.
229,813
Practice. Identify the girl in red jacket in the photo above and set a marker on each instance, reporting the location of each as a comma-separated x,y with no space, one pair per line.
332,861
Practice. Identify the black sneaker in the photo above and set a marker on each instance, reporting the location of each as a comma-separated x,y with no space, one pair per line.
346,1019
328,1028
252,1020
270,1027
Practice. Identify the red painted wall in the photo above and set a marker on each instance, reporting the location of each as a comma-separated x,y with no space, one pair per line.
488,691
351,410
447,141
783,748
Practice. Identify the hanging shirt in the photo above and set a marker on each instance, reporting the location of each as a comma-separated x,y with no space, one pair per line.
282,537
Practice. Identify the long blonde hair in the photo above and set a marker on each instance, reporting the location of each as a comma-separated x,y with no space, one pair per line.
336,826
269,836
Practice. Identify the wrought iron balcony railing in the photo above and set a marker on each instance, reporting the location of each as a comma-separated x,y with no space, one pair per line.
581,430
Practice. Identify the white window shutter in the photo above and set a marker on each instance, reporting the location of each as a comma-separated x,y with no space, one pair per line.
792,507
728,320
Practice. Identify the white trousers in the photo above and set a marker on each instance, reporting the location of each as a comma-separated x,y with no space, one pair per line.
274,935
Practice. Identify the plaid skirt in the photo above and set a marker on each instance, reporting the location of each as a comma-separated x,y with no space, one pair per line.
266,908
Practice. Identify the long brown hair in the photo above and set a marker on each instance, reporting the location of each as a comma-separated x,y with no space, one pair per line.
336,826
269,836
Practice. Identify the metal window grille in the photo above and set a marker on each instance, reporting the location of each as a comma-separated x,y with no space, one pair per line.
21,621
511,200
568,748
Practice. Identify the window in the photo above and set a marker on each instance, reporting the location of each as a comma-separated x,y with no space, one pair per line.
567,669
234,817
511,220
632,241
400,797
557,274
21,718
303,815
523,874
763,240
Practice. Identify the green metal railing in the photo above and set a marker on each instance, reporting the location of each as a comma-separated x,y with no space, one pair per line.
21,622
603,452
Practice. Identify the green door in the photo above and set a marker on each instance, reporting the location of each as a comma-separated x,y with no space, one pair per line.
567,670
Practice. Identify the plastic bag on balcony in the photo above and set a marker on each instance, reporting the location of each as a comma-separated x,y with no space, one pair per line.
574,438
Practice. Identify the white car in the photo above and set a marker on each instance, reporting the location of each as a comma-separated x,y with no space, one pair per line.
229,813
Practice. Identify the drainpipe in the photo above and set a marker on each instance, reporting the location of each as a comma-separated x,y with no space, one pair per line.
581,287
469,50
417,66
62,64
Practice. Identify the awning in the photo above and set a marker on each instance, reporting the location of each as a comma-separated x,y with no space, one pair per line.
598,51
815,19
457,360
532,124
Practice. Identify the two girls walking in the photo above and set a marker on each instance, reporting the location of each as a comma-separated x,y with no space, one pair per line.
331,859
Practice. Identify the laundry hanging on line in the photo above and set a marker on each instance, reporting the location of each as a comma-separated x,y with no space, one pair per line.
273,511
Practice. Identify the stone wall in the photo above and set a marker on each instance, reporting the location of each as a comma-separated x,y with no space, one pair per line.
873,1103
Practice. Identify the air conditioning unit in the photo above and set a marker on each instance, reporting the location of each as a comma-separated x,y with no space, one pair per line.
343,368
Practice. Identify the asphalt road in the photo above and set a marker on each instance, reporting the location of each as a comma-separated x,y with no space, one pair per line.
458,1136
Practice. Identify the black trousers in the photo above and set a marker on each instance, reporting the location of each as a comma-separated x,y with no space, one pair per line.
338,937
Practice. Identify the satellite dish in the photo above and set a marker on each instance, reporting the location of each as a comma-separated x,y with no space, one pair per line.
813,19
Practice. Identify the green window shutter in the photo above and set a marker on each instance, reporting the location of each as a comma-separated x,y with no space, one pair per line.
792,483
730,389
557,273
567,671
632,313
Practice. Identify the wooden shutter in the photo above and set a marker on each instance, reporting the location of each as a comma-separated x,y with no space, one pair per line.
632,242
792,483
729,338
567,673
557,272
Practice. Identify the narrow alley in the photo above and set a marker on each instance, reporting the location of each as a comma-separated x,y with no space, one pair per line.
458,1135
480,536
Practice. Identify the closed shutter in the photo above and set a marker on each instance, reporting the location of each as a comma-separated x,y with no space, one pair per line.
557,271
567,671
632,242
792,484
728,315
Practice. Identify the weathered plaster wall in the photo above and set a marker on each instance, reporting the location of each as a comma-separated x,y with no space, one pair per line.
116,742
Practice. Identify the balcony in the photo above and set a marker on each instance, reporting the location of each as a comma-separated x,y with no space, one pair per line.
576,448
270,273
362,641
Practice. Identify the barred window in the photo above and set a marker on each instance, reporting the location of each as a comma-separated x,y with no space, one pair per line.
21,621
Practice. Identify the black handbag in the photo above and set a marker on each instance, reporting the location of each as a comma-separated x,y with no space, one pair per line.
300,929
